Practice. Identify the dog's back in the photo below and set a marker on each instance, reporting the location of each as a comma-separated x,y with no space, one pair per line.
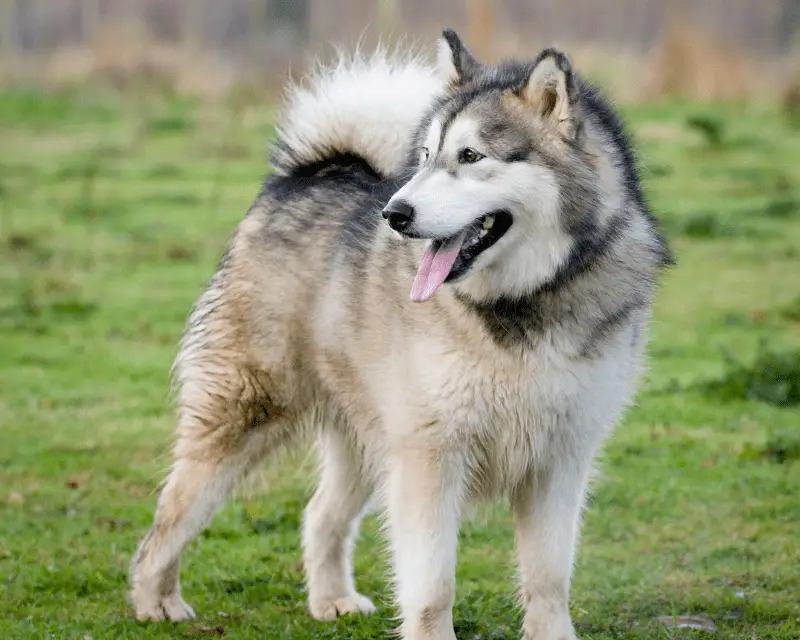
341,149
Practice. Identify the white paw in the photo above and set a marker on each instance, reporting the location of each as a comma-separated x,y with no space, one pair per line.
553,628
157,608
331,609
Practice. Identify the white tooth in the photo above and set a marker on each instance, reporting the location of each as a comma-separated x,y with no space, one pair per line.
488,222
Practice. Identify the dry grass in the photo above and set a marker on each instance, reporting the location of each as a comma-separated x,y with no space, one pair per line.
691,63
686,61
125,56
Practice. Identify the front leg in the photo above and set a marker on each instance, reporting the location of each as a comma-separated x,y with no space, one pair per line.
424,499
547,512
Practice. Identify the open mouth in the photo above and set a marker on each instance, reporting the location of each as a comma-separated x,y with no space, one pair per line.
448,259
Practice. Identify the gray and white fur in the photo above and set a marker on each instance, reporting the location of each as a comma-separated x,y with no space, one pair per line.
507,198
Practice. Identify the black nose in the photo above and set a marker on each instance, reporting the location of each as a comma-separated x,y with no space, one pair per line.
399,214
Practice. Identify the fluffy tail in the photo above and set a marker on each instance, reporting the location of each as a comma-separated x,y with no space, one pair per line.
363,107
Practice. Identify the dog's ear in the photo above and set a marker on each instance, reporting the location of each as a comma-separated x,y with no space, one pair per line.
552,91
455,63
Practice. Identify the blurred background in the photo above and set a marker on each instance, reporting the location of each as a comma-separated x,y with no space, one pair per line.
704,48
133,139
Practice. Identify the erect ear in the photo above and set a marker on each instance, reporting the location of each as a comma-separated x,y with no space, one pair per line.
455,63
553,92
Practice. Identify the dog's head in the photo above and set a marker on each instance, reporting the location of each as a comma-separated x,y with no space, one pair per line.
505,174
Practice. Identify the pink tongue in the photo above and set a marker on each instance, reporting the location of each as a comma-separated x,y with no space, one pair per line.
434,268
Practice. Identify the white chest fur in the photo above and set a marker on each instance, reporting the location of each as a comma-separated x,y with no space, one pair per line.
509,412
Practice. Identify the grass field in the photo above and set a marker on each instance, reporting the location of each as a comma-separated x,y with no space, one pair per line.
112,216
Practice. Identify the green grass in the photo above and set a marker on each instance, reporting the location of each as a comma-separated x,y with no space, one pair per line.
112,217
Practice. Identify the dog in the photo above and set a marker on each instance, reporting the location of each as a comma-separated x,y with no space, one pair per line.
448,280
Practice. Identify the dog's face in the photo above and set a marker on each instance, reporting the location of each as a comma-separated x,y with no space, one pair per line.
488,178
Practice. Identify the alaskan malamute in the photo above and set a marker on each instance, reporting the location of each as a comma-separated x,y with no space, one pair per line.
448,279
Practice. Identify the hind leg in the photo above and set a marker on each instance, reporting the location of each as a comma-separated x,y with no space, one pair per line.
226,424
198,484
330,528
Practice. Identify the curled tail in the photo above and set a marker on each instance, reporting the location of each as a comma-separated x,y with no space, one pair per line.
363,109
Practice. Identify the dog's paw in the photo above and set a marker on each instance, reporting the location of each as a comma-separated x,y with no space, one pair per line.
327,609
171,607
557,629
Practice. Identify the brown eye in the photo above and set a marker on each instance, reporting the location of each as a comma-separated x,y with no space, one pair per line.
469,156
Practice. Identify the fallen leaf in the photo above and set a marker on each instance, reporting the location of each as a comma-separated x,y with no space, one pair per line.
698,623
72,483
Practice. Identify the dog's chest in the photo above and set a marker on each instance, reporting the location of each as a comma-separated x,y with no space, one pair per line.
523,406
515,412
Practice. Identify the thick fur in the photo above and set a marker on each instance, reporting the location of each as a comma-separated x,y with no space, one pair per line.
369,107
506,382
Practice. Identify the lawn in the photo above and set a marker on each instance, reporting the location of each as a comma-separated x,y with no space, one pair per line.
113,213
